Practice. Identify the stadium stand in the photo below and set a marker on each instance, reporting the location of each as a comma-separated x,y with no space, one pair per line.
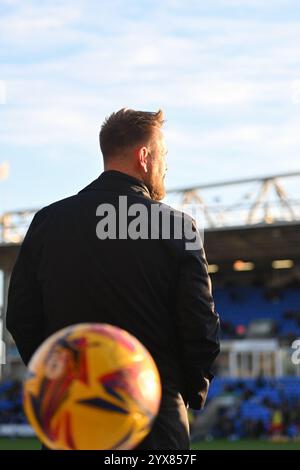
11,409
241,306
257,408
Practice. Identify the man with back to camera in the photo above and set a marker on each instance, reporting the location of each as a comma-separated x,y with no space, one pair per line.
155,288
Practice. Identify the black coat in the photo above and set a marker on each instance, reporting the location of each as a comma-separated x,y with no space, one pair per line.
153,288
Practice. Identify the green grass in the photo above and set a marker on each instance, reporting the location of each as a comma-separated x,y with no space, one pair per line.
245,444
19,444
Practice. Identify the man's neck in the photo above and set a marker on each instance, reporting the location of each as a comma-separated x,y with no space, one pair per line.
123,169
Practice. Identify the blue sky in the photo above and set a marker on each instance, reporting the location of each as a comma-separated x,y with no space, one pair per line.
226,73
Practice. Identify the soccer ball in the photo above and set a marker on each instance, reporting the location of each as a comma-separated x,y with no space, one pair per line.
91,386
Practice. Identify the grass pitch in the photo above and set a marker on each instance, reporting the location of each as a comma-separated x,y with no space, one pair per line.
220,444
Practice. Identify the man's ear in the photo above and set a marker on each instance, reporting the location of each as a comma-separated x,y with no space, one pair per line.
142,155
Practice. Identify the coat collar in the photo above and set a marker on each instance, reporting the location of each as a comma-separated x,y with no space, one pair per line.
113,180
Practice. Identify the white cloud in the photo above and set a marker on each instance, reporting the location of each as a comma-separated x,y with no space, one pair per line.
50,126
271,147
31,17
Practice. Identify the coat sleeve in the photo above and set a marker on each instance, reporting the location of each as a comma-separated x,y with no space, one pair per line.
197,324
24,316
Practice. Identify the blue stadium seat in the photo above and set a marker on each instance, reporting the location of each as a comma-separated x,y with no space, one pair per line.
243,304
